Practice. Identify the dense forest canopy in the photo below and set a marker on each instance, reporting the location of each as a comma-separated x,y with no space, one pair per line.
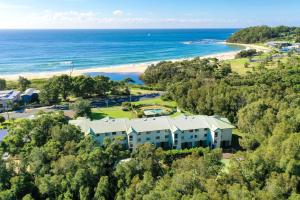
259,34
53,160
257,101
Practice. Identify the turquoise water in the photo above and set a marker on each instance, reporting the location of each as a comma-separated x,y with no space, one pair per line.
155,111
30,51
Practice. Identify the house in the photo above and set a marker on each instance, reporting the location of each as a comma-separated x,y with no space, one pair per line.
177,133
278,44
294,47
30,95
8,98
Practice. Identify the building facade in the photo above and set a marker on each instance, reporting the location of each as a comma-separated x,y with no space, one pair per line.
176,133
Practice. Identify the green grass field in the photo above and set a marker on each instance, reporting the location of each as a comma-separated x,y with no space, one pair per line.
114,112
138,91
238,65
117,112
156,101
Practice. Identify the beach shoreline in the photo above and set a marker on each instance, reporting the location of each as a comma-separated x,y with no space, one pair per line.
138,68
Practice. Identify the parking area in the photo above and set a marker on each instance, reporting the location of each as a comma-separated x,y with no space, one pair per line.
30,113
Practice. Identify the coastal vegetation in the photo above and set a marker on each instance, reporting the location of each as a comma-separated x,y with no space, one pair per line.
47,158
247,53
60,88
259,34
56,161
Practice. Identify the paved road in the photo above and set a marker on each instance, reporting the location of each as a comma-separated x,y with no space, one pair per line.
29,113
119,100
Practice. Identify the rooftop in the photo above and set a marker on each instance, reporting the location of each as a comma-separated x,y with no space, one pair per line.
9,94
108,125
30,91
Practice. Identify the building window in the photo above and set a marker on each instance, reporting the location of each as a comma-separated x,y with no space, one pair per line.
157,131
182,137
107,134
166,136
176,142
158,137
192,136
205,135
114,133
196,136
131,145
148,132
139,133
216,134
191,131
176,135
206,129
131,138
139,139
123,132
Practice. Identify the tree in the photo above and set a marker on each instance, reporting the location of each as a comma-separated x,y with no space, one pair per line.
2,84
2,119
102,190
49,94
128,80
83,86
102,85
23,83
246,53
63,84
82,108
246,65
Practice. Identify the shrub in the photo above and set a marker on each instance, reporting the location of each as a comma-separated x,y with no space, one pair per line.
2,119
82,108
246,53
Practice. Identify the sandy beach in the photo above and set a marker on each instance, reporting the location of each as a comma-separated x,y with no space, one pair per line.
130,68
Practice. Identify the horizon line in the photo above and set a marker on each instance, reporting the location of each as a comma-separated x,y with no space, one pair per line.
117,28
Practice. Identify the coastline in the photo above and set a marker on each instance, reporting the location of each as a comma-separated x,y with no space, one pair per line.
138,68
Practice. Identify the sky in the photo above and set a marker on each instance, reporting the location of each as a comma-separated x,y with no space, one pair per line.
100,14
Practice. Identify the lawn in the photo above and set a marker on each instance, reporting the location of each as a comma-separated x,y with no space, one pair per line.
114,112
156,101
139,91
117,112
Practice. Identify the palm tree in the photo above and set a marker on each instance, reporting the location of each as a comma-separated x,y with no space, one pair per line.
126,82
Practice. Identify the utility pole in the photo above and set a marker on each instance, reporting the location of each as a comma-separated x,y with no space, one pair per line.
71,68
6,108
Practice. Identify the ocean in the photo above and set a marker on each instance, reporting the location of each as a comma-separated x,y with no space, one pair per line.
35,51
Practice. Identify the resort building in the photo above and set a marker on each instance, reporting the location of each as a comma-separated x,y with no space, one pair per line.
177,133
8,98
